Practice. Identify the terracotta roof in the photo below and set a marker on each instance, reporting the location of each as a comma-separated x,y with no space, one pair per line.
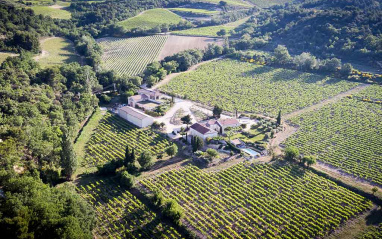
236,142
138,97
134,112
201,128
225,122
210,122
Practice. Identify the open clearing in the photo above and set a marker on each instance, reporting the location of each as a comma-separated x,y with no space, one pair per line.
258,201
56,51
212,30
235,3
4,55
194,11
54,11
345,134
175,44
268,3
130,56
254,88
150,19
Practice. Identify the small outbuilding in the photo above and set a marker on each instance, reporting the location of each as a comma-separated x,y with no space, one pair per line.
202,131
135,116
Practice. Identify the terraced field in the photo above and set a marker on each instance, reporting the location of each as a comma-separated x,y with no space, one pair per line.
346,134
150,19
212,30
258,201
130,56
114,134
254,88
120,214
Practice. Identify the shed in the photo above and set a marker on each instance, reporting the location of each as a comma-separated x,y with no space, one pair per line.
135,116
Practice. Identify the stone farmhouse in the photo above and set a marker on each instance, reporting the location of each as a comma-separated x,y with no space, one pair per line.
212,128
146,99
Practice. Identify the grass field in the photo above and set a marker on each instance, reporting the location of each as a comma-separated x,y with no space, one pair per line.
237,3
151,18
130,56
254,88
268,3
113,134
346,134
4,55
194,11
57,51
258,201
120,214
212,30
59,13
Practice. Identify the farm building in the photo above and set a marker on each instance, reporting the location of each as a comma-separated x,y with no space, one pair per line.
221,124
135,117
146,99
202,131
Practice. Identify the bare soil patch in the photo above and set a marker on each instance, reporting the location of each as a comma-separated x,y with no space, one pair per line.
175,44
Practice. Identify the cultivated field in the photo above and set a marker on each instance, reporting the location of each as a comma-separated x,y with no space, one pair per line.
130,56
112,136
120,214
150,19
194,11
56,51
175,44
268,3
258,201
253,88
346,134
236,3
55,11
212,30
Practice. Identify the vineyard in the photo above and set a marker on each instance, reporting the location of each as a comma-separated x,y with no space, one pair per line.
346,134
113,134
130,56
150,19
212,30
258,201
258,89
121,215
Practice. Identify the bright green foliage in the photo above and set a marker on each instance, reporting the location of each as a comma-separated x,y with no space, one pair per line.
373,232
68,156
121,215
234,3
150,19
259,89
173,210
4,56
130,56
346,134
172,150
258,201
211,30
291,153
52,12
194,11
32,209
57,51
113,134
127,179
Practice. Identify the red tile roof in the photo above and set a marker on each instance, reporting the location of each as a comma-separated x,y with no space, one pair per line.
226,122
200,128
133,112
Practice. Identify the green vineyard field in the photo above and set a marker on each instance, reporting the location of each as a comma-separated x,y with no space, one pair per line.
253,88
258,201
120,214
345,134
113,134
130,56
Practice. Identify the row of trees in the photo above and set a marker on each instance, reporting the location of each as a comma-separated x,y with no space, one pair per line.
292,154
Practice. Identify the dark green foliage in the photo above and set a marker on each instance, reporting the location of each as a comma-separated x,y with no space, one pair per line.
68,157
172,150
32,209
110,167
186,119
126,179
145,160
217,111
172,210
197,143
278,119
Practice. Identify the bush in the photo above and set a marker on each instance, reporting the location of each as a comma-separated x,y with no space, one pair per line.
173,211
126,179
291,153
109,168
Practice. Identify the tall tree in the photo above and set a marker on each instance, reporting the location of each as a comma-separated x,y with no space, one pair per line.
186,119
197,143
69,161
217,111
127,155
291,153
145,160
278,118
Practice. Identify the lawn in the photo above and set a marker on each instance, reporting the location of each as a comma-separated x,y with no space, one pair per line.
150,19
235,3
59,13
258,201
253,88
130,56
57,51
212,30
345,134
194,11
268,3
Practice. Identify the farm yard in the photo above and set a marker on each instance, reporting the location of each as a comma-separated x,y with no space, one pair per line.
56,51
254,88
211,31
130,56
258,201
175,44
113,134
346,135
150,19
120,214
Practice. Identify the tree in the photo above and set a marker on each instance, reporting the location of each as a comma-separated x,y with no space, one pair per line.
127,156
374,190
311,160
162,125
346,69
197,143
172,150
223,4
217,111
305,61
331,65
222,32
278,120
145,160
186,119
231,131
136,80
126,179
173,211
282,56
68,157
291,153
212,153
170,66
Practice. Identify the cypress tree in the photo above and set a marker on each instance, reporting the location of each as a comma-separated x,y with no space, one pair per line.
279,118
68,157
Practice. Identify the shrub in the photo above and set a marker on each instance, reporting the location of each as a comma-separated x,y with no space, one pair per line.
291,153
173,211
127,179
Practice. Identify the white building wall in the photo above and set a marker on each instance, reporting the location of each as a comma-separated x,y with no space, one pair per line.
147,121
203,136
